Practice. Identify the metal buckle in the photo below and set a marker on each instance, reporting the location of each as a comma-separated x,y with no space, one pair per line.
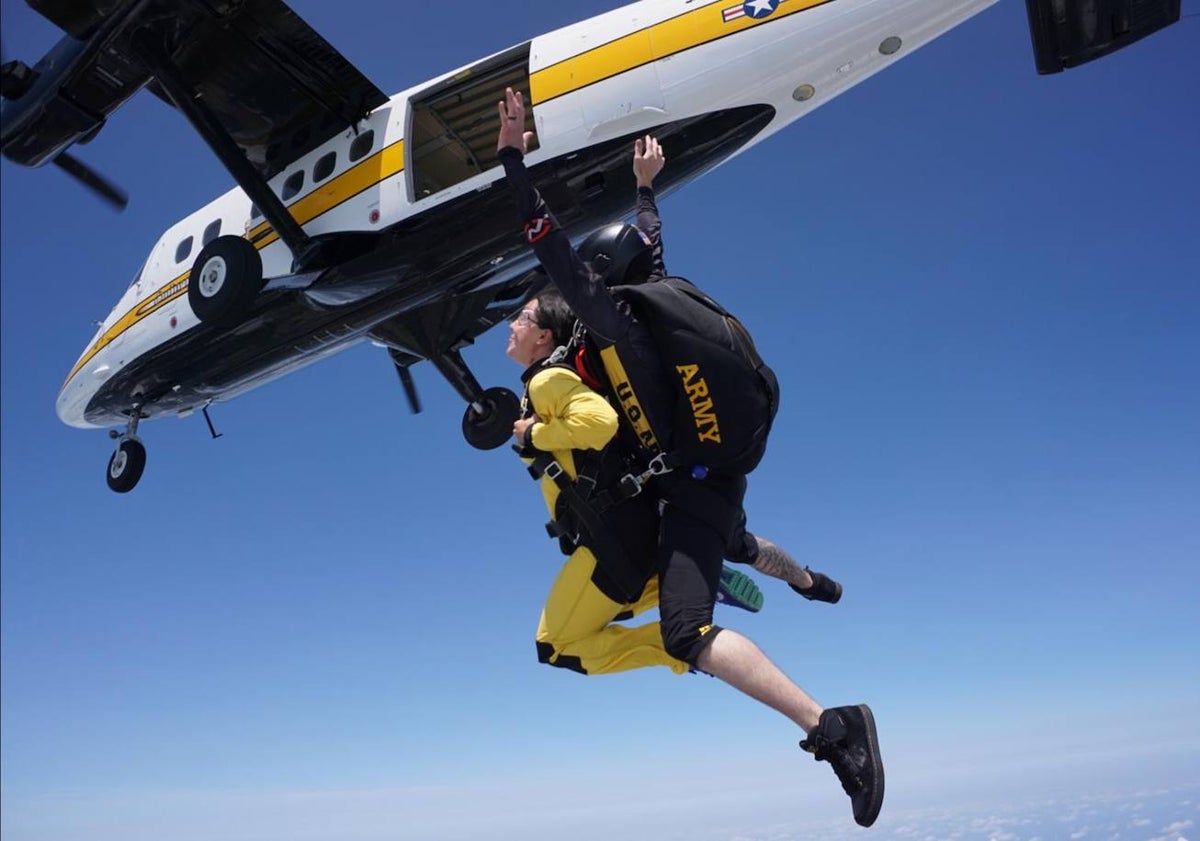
658,466
553,470
630,481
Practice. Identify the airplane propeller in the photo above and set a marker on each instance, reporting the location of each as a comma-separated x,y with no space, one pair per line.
92,180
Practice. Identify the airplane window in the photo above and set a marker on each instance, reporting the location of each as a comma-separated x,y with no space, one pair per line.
293,185
210,233
137,277
184,249
361,145
255,213
323,168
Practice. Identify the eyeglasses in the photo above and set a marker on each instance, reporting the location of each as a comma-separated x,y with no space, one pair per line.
525,317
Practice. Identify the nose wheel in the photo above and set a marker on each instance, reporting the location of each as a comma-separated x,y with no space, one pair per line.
126,465
128,460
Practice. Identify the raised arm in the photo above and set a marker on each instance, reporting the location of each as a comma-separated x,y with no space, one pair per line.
648,161
581,288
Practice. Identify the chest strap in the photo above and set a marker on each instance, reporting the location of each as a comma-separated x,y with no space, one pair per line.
581,497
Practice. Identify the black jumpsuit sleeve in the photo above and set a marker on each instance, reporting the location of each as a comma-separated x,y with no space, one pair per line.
650,224
584,292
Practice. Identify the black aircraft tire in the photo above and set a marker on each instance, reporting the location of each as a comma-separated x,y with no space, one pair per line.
126,466
224,280
488,429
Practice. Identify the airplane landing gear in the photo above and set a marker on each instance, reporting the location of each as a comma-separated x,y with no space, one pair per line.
491,414
438,333
128,460
224,280
488,421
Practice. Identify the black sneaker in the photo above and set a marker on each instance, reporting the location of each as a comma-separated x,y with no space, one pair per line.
823,589
846,738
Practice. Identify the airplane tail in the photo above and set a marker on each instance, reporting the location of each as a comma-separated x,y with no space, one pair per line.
1067,33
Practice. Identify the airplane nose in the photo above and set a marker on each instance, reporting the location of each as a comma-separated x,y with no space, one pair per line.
74,397
62,405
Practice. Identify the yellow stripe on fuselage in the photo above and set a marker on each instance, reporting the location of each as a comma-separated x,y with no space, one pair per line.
383,164
156,302
683,32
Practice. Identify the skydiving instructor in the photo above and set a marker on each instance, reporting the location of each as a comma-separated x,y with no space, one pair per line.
700,515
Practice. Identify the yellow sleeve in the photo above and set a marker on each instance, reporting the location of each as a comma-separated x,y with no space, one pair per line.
573,416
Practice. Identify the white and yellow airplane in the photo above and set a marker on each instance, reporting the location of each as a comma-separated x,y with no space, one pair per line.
363,217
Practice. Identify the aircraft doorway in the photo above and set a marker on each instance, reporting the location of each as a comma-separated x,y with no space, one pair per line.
452,128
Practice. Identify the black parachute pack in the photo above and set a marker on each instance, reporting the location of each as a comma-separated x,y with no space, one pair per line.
725,395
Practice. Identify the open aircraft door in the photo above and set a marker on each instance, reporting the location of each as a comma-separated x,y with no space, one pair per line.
1067,33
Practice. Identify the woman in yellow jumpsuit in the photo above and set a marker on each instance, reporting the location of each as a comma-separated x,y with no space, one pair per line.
561,415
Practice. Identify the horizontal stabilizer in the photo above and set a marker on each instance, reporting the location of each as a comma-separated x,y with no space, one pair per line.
1067,33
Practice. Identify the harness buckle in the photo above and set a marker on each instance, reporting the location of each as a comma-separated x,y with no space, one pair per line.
630,485
658,465
553,470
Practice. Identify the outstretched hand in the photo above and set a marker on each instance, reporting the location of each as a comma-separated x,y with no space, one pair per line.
648,160
512,122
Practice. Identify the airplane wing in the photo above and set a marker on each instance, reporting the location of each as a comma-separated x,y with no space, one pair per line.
276,87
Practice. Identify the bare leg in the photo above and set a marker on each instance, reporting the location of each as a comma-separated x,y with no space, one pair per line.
740,663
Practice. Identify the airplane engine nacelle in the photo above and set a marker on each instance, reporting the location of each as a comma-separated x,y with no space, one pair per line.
1067,33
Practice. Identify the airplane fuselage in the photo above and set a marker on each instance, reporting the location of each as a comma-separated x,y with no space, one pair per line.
424,211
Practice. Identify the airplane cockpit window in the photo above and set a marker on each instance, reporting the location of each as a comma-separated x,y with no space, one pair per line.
137,277
210,233
183,250
323,168
293,185
362,144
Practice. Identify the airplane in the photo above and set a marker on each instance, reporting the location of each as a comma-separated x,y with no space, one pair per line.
362,217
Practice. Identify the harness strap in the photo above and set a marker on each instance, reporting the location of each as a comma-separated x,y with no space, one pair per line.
579,517
575,497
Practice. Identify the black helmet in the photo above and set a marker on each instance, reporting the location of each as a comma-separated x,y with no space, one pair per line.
618,253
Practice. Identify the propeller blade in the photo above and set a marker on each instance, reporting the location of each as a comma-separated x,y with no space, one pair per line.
91,179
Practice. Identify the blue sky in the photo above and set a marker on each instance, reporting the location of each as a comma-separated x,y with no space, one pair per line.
980,288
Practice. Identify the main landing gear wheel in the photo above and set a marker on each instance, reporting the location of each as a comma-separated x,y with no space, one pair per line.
488,422
225,279
126,465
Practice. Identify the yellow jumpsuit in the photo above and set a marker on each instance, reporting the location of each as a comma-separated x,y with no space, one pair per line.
576,630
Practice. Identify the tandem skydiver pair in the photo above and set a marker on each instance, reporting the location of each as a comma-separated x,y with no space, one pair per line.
695,518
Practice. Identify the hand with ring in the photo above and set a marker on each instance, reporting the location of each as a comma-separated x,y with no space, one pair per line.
512,122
